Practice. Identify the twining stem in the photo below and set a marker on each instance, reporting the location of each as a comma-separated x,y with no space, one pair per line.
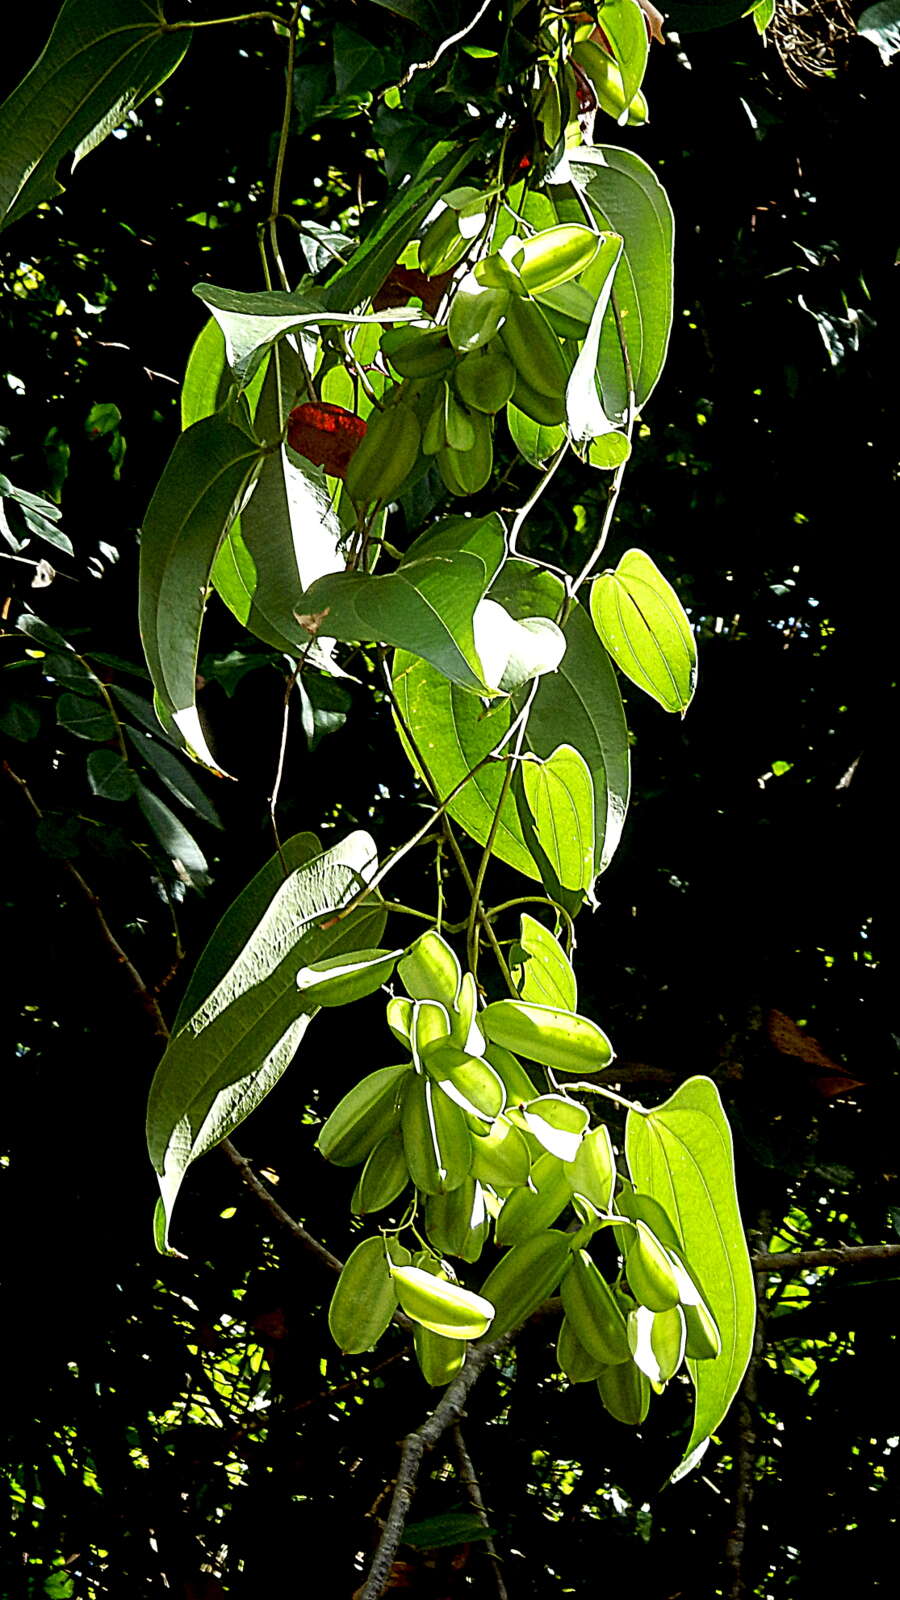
538,900
221,22
522,721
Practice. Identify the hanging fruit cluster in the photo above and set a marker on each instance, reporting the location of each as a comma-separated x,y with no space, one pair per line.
464,1123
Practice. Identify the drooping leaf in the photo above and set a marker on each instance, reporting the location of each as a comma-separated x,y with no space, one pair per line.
251,323
543,973
235,927
627,198
560,798
228,1054
642,623
681,1155
102,59
178,844
175,774
355,283
205,480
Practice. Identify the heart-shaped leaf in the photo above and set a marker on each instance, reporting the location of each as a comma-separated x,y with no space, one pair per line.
642,623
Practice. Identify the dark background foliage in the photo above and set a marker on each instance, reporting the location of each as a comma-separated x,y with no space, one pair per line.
169,1423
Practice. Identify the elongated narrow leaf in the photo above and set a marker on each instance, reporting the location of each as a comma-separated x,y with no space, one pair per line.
178,844
201,489
102,59
642,623
681,1155
230,1052
627,198
560,797
175,774
357,281
541,968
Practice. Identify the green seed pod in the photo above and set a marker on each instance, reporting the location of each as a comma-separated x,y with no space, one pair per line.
568,309
363,1117
384,1176
625,1392
442,1307
548,410
594,1312
464,1018
554,256
606,80
519,1087
703,1341
501,1157
365,1299
384,460
439,1358
467,471
476,313
457,1223
469,1080
430,970
442,245
576,1362
400,1017
436,1137
530,1211
559,1039
593,1170
649,1271
485,380
418,352
525,1276
656,1340
431,1026
534,348
340,980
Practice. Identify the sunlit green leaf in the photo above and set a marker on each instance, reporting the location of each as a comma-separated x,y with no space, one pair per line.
560,798
681,1155
642,623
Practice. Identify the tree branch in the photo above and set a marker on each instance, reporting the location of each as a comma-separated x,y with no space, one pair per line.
469,1480
844,1255
266,1198
444,1415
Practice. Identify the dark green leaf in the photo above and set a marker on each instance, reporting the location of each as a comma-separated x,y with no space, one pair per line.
101,60
204,482
87,719
175,774
20,720
230,1052
71,672
439,1533
110,776
179,845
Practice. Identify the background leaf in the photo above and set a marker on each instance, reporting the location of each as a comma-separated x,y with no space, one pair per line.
102,59
681,1155
200,491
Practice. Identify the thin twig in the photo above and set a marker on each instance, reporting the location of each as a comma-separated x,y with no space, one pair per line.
265,1196
145,995
469,1480
745,1444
